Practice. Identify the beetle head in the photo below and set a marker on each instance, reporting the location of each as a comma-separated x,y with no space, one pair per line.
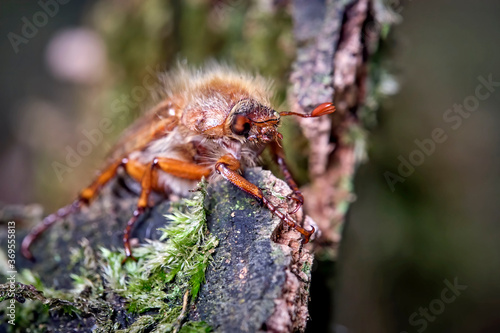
258,123
254,122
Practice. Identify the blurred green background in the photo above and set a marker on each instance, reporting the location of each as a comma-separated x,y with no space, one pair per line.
401,248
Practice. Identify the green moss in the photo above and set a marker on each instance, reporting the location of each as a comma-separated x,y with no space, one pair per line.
166,269
34,311
159,283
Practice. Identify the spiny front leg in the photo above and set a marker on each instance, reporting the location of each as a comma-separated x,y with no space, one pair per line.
227,166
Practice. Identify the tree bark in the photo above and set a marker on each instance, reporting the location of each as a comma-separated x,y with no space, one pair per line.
331,64
255,283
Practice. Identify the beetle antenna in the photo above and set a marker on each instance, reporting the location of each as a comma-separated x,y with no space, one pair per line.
320,110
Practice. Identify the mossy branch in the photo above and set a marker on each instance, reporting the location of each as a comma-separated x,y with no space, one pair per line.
164,291
182,253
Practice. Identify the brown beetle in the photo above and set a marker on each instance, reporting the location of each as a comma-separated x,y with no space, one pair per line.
212,121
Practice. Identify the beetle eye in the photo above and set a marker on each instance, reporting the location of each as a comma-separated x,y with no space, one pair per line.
241,125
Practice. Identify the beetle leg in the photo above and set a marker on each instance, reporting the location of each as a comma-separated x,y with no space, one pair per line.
84,198
149,180
279,157
226,167
89,193
44,225
144,175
